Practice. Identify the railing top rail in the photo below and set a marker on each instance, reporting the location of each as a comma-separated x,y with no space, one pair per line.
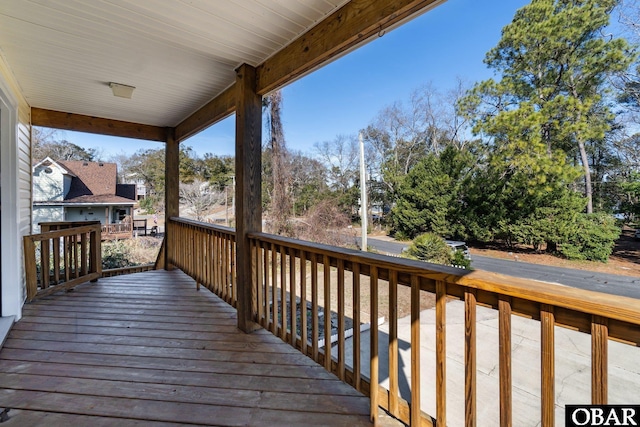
64,232
596,303
206,225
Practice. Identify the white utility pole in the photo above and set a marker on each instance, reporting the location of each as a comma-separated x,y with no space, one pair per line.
363,195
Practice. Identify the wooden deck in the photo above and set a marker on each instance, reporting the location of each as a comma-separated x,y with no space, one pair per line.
148,349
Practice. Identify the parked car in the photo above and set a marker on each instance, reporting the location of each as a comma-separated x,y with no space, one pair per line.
459,246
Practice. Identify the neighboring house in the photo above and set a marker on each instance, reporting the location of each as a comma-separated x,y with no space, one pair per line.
81,191
141,188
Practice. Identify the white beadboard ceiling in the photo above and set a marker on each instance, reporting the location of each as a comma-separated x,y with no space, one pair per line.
179,54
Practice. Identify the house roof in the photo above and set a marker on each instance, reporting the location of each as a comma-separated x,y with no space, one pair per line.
180,56
92,178
95,182
48,161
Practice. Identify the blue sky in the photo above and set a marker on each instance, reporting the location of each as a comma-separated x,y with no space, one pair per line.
346,95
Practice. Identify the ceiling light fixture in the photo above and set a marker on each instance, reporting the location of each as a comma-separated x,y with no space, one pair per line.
123,91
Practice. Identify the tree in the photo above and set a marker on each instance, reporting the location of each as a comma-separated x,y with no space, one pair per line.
630,79
280,206
403,133
430,196
554,65
148,165
216,170
199,197
340,157
46,144
308,182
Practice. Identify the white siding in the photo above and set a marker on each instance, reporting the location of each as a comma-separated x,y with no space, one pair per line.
46,214
15,193
49,186
95,213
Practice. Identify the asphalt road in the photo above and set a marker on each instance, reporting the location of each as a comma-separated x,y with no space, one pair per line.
628,286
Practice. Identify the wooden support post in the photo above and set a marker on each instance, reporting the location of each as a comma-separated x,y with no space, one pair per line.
172,193
248,188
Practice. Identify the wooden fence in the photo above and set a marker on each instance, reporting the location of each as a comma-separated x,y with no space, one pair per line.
61,259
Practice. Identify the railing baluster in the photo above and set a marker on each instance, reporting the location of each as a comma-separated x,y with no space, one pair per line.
504,332
470,373
304,336
314,307
283,292
292,296
218,284
373,341
441,352
228,293
267,287
274,288
211,262
341,315
226,269
67,255
30,267
257,257
76,264
44,264
198,261
356,326
599,360
84,260
547,325
234,275
415,350
56,260
217,256
327,312
393,343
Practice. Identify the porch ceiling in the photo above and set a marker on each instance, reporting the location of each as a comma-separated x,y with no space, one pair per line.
178,54
181,55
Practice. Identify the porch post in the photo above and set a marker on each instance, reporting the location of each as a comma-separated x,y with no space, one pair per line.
171,191
248,188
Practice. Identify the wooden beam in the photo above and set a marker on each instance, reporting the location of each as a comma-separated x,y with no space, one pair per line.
248,188
172,192
348,27
217,109
80,123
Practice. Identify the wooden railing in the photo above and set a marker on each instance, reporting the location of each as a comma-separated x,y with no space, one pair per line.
326,281
61,259
288,269
113,231
205,252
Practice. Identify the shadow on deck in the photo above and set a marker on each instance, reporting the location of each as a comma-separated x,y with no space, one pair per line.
148,349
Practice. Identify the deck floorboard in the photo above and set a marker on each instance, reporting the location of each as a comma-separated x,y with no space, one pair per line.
149,349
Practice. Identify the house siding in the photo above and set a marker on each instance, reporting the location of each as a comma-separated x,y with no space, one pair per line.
49,186
46,214
16,191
